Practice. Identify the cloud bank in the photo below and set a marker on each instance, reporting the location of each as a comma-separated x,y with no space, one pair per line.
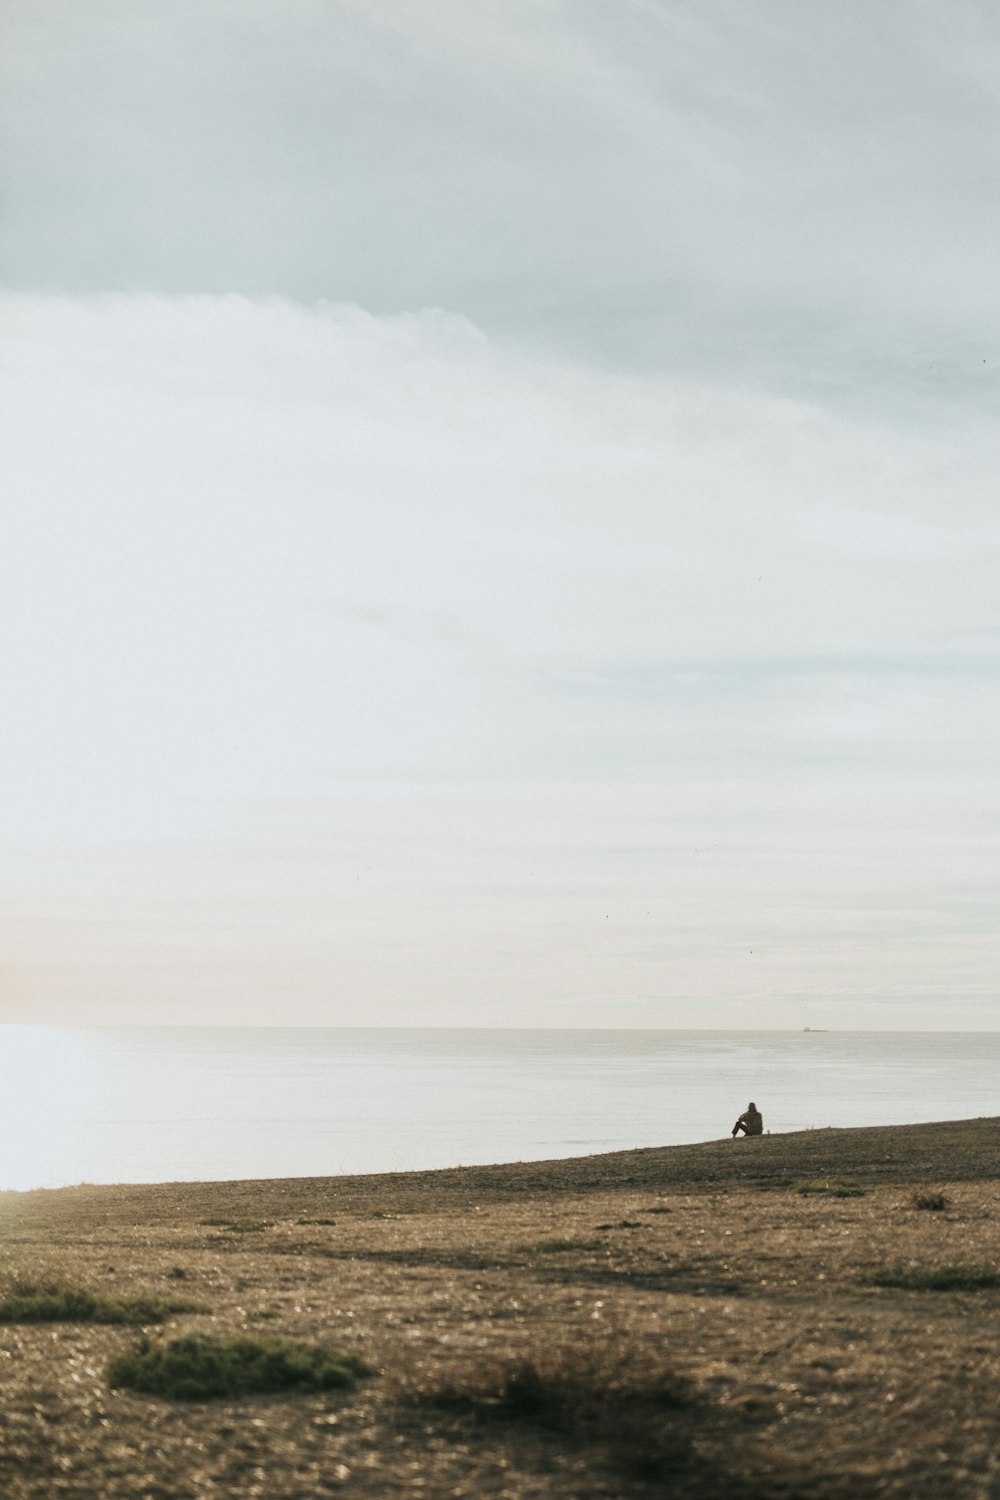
502,520
366,667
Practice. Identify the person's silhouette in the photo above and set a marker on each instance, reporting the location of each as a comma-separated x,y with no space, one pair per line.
751,1121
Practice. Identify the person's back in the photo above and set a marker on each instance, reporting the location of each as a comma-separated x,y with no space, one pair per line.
751,1121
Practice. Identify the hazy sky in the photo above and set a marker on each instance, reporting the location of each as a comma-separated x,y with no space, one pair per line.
501,519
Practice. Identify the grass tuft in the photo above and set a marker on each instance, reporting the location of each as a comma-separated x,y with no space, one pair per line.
939,1279
27,1303
934,1202
203,1368
630,1404
833,1187
559,1247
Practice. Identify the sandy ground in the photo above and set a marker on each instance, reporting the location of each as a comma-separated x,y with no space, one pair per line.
804,1379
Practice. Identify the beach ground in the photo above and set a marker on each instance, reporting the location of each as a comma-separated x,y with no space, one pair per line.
799,1317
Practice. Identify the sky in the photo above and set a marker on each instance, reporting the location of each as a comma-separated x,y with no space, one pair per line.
501,515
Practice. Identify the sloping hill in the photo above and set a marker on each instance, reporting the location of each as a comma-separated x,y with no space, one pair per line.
942,1151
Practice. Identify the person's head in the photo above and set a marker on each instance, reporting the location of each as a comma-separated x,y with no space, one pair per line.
752,1106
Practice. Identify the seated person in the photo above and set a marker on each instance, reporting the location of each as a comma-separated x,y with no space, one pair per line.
751,1121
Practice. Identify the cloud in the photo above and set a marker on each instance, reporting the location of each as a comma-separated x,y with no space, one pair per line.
782,199
368,667
503,514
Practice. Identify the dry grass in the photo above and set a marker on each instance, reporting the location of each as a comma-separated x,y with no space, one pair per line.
626,1405
749,1341
934,1202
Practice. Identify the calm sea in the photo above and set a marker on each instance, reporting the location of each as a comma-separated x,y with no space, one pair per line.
155,1104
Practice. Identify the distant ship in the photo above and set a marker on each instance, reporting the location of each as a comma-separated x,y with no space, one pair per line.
814,1028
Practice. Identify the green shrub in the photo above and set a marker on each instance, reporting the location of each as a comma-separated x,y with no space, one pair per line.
202,1367
27,1303
939,1279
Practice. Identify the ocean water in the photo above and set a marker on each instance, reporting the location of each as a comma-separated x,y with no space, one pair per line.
157,1104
